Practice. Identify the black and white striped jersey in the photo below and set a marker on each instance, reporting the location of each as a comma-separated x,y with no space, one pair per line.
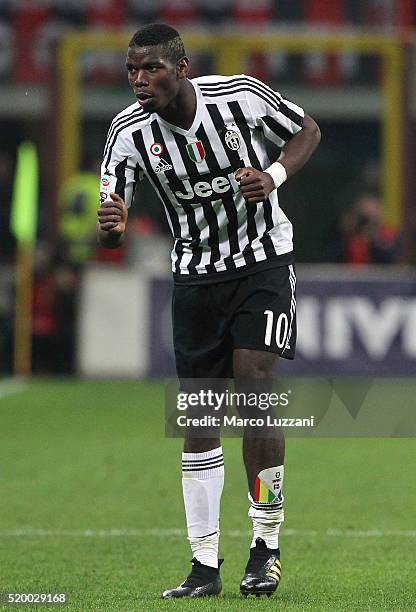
217,234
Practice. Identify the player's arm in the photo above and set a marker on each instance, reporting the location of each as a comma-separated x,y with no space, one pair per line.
298,150
256,185
112,220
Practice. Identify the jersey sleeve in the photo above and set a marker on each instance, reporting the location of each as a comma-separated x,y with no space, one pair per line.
280,119
119,170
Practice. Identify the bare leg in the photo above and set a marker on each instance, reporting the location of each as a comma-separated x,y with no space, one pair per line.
258,453
200,445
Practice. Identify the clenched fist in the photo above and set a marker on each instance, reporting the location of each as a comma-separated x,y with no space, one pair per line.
254,184
112,216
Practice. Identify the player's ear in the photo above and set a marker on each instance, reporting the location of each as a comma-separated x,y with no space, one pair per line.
182,67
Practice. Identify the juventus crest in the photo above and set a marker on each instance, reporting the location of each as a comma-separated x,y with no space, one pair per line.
232,140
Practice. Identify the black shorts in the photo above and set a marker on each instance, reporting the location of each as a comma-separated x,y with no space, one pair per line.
255,312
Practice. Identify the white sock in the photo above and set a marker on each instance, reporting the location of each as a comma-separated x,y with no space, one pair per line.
202,484
266,509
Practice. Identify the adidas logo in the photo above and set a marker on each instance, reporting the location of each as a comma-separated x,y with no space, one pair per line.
275,571
163,166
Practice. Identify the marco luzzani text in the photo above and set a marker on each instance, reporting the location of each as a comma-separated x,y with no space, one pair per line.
217,402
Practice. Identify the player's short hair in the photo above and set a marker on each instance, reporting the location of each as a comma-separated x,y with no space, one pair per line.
162,35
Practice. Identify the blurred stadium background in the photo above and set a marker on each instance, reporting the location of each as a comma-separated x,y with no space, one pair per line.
96,314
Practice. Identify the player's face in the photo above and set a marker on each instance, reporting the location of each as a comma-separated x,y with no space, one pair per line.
154,79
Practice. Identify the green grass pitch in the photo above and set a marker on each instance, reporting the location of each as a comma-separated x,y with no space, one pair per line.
91,505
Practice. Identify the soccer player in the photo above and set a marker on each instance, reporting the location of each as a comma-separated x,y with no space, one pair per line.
201,144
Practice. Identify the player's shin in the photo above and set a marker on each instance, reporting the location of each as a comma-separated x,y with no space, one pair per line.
266,506
202,483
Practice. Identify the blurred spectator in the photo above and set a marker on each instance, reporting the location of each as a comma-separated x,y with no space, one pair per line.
365,235
143,12
78,204
29,19
6,49
7,242
106,13
7,281
247,12
53,314
386,14
178,12
215,11
71,11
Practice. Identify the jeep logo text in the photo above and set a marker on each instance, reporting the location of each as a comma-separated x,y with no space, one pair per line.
203,189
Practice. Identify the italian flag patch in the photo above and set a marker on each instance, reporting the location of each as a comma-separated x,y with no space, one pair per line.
196,151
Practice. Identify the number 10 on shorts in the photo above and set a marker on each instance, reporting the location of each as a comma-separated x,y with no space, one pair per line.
281,329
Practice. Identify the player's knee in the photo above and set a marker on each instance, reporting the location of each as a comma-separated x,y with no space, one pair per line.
255,369
254,364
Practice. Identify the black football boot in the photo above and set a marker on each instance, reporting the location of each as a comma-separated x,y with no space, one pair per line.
263,571
203,581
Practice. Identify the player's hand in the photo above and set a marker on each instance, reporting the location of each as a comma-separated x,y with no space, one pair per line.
254,184
112,216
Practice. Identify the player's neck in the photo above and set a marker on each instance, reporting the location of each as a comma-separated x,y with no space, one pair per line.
181,111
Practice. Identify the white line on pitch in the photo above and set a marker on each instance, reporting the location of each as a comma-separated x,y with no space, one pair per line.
234,533
371,533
